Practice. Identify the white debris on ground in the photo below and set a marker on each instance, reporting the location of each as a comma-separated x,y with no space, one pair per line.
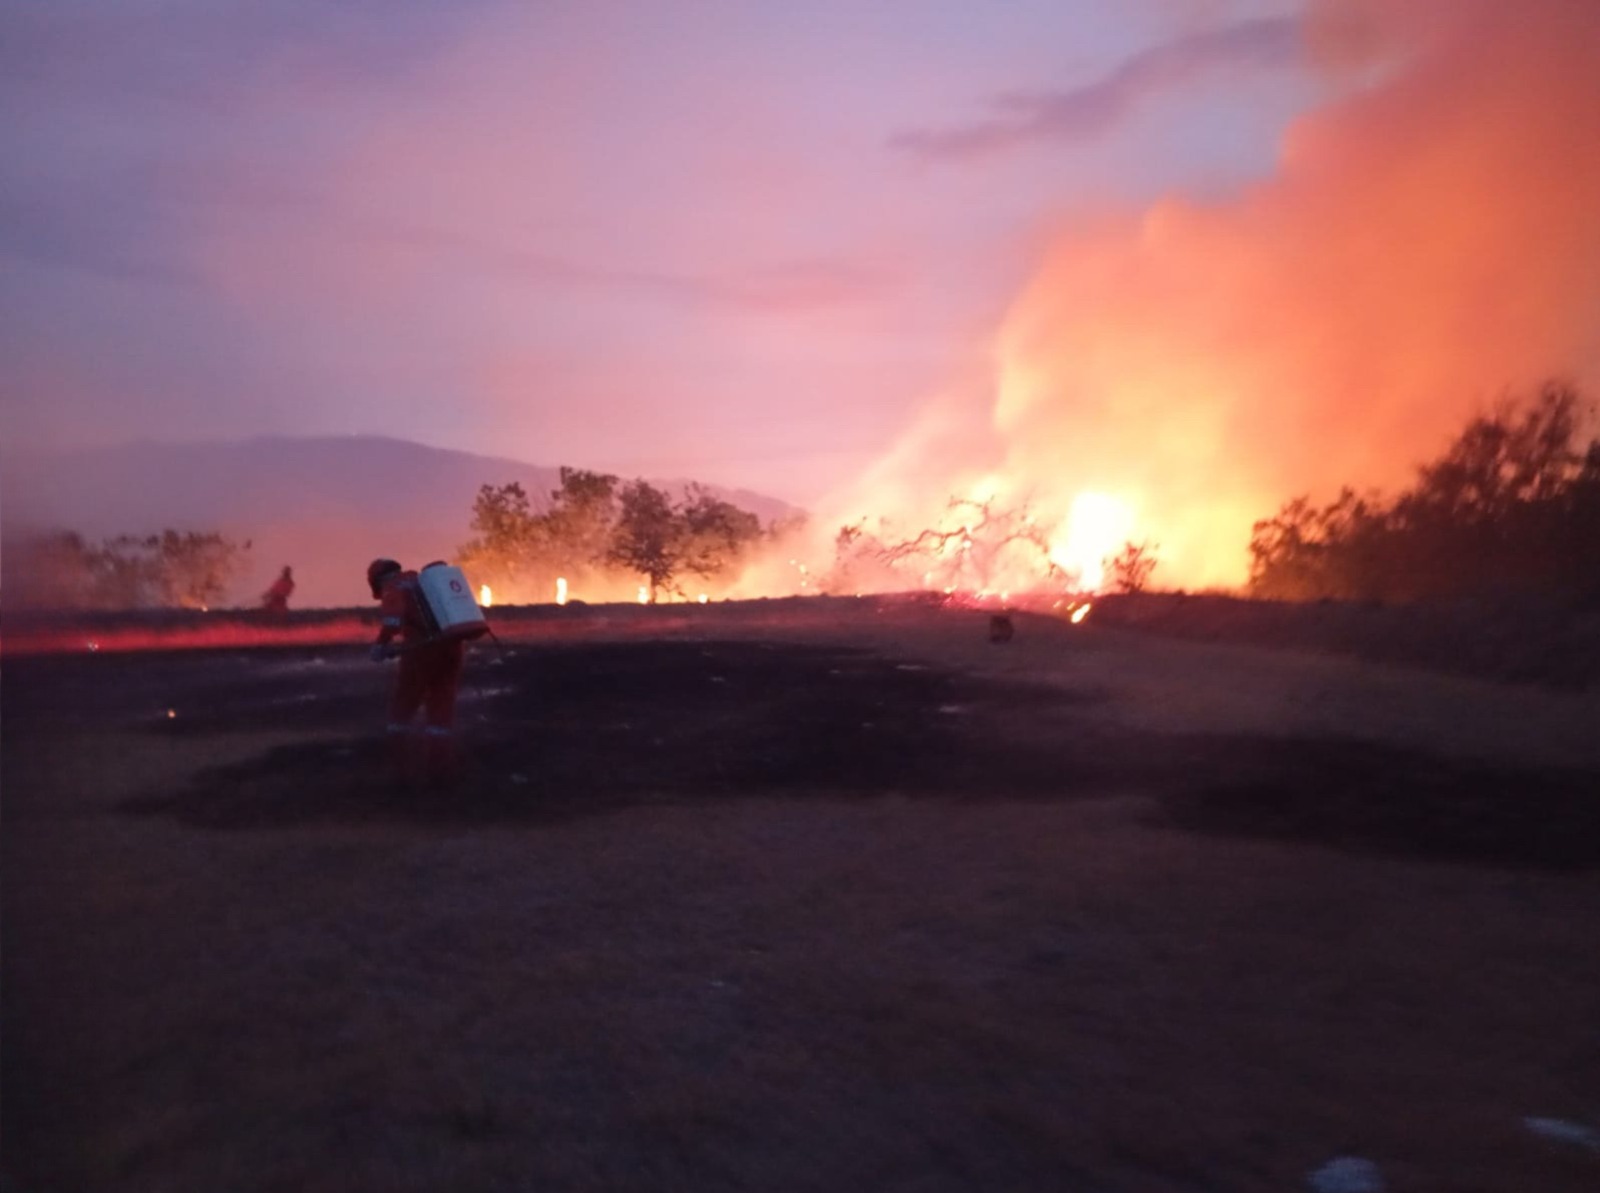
1347,1174
318,663
1564,1131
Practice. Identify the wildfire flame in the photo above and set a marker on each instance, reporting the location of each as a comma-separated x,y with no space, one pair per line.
561,590
1207,358
1097,526
1080,613
485,595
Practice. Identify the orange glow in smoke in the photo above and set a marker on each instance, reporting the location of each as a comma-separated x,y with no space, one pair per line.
1424,242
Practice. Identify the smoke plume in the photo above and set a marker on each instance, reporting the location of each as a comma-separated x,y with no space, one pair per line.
1427,244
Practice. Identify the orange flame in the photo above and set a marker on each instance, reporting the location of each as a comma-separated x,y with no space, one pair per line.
1097,525
1425,240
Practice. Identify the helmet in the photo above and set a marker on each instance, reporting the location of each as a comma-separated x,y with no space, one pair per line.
376,571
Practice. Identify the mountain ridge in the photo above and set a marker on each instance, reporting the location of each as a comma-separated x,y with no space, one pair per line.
324,505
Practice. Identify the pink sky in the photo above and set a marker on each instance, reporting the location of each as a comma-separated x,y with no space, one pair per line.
1195,255
748,243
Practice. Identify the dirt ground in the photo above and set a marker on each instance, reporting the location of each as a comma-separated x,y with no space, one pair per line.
836,895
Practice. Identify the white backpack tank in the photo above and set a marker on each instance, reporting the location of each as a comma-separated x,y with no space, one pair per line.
447,599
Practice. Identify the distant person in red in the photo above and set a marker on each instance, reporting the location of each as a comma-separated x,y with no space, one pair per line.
276,599
430,673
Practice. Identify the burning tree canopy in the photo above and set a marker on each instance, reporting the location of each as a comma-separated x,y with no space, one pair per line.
975,547
982,548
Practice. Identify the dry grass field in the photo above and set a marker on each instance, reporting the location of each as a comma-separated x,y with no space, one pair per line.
797,896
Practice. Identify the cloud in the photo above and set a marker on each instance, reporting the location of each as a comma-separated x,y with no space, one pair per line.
784,288
1081,113
169,50
361,242
110,112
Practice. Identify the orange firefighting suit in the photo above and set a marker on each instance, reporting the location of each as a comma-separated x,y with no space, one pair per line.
276,598
430,669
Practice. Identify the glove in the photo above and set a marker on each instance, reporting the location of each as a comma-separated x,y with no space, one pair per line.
380,651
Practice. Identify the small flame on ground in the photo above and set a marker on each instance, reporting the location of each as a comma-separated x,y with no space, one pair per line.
485,595
704,598
1080,613
561,590
171,713
644,595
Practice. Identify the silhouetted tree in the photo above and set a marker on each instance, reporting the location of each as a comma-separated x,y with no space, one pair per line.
187,569
507,546
190,569
49,571
649,536
594,523
583,513
1512,504
1131,567
716,534
515,546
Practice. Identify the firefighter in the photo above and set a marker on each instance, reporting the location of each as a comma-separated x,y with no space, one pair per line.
429,674
276,599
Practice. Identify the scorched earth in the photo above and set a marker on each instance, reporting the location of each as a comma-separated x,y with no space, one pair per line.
836,895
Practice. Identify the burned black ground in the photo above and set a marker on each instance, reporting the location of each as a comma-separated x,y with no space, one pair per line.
727,914
563,731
